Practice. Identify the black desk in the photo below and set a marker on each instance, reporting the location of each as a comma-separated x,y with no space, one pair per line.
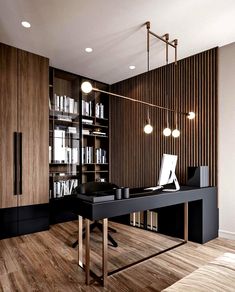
199,205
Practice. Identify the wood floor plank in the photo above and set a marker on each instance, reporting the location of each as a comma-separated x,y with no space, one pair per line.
45,261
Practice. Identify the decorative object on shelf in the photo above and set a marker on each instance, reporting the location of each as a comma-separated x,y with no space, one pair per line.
87,87
198,176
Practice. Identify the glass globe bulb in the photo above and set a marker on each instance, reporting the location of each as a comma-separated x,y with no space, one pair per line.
191,115
175,133
167,132
86,87
148,129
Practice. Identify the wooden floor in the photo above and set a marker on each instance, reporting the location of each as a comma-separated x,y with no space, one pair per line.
45,261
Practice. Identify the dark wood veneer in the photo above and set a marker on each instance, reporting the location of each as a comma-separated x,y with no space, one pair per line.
8,123
33,123
135,156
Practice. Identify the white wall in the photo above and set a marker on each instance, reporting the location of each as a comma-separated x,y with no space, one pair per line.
226,141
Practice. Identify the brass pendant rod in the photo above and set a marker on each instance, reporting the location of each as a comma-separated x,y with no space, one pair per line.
138,101
162,39
166,77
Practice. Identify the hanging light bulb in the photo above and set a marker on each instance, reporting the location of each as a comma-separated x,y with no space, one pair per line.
167,132
86,87
191,115
175,133
148,128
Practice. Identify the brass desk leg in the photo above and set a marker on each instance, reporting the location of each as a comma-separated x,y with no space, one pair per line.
80,256
87,240
186,221
105,251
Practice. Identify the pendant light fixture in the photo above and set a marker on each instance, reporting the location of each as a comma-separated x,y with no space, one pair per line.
167,130
148,128
176,131
87,87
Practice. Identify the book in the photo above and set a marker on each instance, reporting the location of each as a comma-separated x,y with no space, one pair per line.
59,146
99,133
64,118
75,111
85,132
71,105
72,130
86,121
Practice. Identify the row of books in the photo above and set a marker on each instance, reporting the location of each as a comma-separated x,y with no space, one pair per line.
65,104
96,132
62,153
87,109
88,155
137,219
63,188
99,110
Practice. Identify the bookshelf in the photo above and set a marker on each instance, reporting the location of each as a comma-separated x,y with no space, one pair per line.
78,139
94,135
64,133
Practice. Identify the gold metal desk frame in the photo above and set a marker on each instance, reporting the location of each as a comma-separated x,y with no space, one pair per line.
86,264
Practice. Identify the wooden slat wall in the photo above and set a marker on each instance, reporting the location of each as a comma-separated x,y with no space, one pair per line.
135,156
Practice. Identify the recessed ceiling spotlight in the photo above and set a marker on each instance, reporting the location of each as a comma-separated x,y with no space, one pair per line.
88,50
25,24
132,67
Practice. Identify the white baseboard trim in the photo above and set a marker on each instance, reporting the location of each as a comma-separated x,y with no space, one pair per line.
227,234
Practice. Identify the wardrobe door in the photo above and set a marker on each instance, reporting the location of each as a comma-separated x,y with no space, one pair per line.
33,103
8,125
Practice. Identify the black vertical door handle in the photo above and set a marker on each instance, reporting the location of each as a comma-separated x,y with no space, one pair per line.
20,163
15,163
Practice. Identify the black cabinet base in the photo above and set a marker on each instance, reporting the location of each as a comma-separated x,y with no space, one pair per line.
61,210
23,220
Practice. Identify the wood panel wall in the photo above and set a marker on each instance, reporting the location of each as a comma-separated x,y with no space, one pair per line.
191,86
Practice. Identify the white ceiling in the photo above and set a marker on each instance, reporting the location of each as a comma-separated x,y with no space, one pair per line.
62,29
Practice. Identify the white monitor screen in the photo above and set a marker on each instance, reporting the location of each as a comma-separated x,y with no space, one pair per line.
167,170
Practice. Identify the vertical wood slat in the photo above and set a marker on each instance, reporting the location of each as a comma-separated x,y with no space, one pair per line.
136,157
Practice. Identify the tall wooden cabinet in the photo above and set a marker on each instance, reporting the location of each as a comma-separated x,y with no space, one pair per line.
8,124
23,142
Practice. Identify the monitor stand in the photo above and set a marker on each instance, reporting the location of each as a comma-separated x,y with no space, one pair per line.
176,183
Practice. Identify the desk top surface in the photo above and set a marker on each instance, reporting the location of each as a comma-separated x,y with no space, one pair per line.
141,200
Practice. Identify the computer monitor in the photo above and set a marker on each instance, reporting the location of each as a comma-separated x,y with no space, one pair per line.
167,172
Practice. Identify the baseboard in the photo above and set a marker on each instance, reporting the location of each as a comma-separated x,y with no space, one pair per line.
227,234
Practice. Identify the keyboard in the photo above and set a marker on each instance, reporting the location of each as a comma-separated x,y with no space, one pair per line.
154,188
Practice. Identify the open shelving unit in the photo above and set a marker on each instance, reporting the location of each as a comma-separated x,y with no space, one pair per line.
78,139
95,135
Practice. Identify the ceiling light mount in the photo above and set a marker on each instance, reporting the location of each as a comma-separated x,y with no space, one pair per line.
25,24
88,50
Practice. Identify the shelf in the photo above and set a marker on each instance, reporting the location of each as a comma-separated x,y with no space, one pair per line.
63,121
94,125
100,136
105,119
94,117
66,138
94,171
63,163
94,164
54,113
64,175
